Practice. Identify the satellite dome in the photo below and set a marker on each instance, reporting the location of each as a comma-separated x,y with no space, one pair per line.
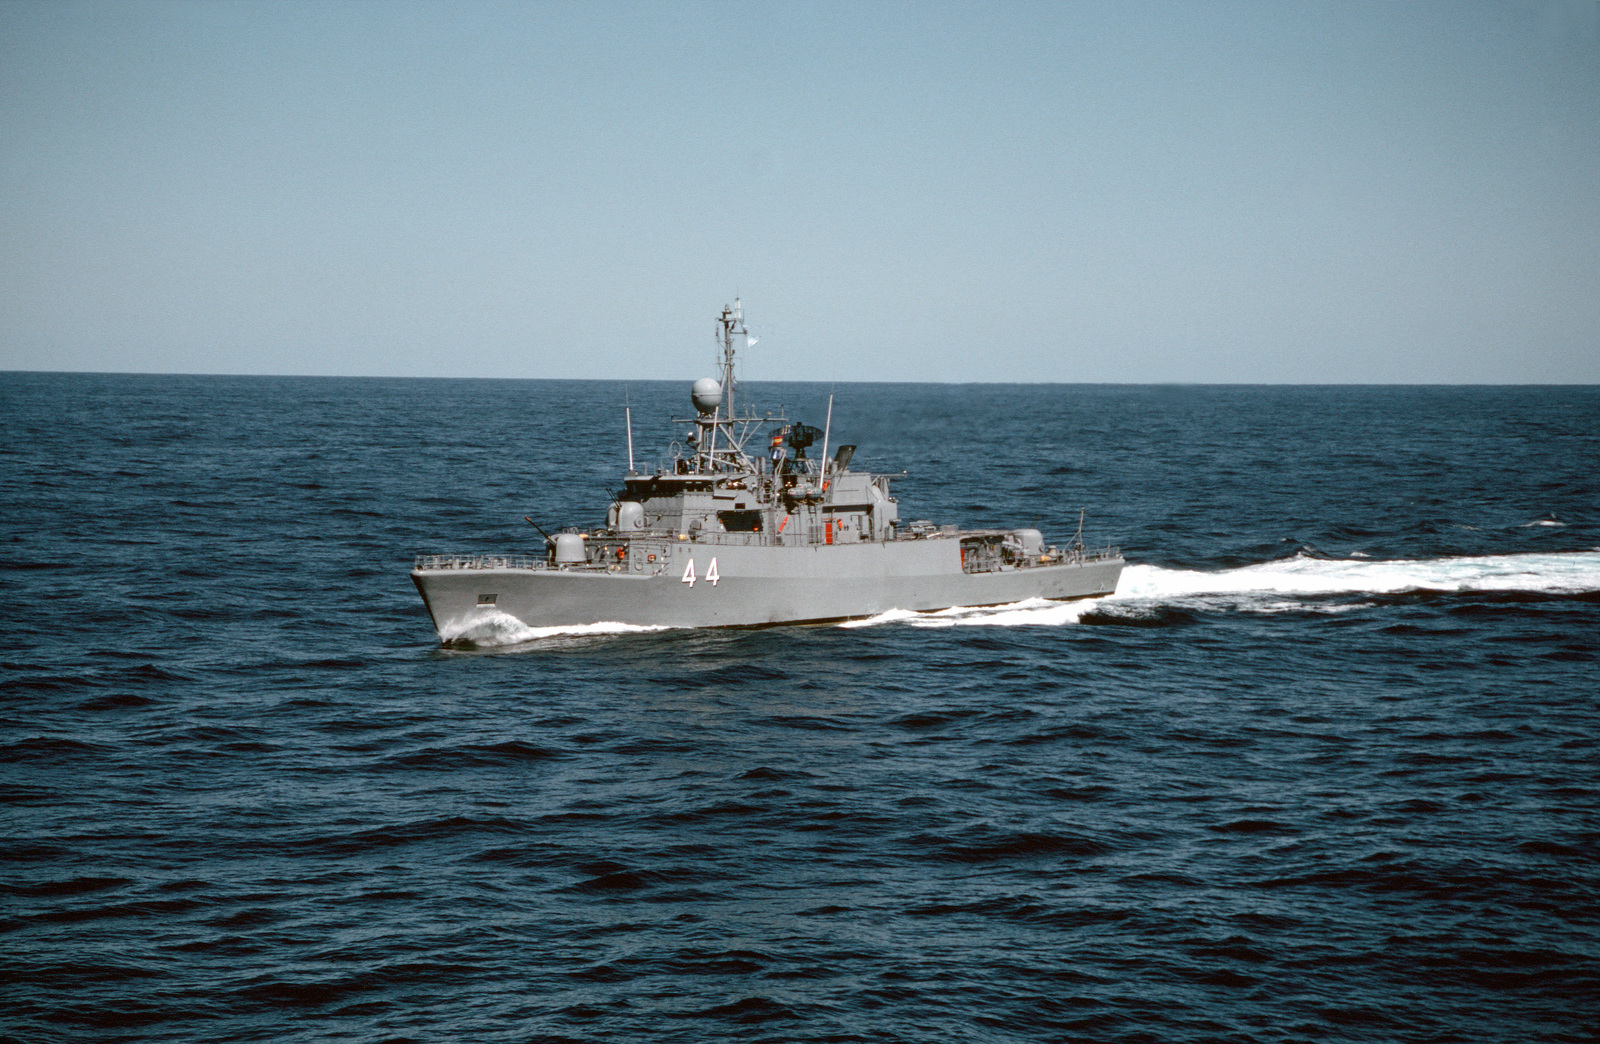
707,394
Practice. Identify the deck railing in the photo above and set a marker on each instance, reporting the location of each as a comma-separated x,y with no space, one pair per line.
480,562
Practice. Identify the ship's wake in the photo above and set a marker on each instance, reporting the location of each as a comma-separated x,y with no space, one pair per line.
1300,584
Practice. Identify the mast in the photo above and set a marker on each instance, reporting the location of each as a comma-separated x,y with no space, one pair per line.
719,416
732,322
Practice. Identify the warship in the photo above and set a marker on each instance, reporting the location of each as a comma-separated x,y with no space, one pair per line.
742,527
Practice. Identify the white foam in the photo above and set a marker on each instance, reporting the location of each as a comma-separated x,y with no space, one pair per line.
1570,573
892,616
491,628
1032,612
1280,587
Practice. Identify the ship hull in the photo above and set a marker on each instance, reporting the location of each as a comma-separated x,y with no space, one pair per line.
745,586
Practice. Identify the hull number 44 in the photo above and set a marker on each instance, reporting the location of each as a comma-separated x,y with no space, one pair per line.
711,577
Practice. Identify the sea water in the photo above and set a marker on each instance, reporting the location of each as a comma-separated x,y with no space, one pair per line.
1326,766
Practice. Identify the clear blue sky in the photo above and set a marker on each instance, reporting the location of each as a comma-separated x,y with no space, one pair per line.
1196,192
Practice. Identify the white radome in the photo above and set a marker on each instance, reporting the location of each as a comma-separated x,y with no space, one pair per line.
707,394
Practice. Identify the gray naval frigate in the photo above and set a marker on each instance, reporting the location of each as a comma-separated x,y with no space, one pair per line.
720,536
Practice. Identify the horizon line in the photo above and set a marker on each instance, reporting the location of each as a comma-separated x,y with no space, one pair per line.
757,380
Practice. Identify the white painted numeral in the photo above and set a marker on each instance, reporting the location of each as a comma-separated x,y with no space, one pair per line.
688,573
711,573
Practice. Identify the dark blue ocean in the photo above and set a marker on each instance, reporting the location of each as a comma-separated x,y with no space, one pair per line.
1326,767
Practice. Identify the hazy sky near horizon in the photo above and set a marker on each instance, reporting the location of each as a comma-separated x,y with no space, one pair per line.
1216,192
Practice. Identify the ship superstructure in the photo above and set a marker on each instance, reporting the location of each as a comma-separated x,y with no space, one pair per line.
723,536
